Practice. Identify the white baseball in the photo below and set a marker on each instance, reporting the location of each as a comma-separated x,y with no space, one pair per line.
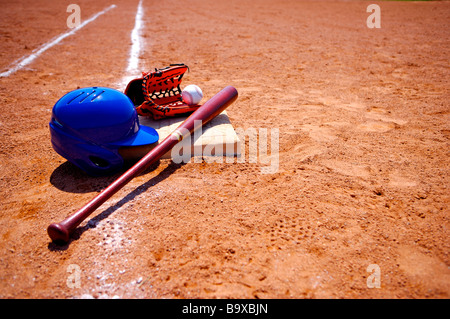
192,94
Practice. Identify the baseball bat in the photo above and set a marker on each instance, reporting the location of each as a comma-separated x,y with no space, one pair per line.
60,232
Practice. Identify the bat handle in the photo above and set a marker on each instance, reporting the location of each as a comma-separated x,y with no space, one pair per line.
61,231
58,232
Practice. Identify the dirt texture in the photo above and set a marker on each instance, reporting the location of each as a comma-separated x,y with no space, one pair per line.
360,193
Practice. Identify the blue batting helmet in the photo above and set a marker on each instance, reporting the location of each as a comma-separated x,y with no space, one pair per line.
89,125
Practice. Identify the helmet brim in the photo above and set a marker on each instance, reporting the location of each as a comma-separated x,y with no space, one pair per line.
146,135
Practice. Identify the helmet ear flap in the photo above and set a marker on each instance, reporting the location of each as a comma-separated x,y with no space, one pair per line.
104,162
98,161
91,158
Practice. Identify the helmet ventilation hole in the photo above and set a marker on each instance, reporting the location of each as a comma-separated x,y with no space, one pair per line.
99,162
56,122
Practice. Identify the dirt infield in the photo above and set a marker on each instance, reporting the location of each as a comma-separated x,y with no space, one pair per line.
360,195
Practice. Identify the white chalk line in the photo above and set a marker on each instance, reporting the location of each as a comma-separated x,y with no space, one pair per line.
136,40
24,61
132,70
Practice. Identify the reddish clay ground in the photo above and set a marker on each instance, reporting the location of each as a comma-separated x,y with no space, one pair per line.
363,177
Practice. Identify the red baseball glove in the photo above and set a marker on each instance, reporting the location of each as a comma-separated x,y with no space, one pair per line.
158,94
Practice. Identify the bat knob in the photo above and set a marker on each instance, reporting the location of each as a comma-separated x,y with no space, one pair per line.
58,233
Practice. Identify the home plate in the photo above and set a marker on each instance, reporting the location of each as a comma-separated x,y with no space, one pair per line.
216,138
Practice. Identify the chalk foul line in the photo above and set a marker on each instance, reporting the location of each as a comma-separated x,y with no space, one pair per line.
24,61
136,40
132,70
